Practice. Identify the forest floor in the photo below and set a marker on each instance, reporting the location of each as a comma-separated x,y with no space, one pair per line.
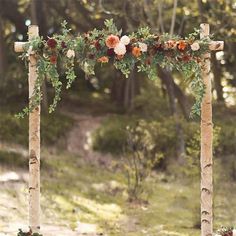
84,193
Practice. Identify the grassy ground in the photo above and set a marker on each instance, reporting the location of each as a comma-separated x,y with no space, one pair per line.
81,191
74,190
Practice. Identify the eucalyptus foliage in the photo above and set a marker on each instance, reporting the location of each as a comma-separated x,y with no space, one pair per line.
170,52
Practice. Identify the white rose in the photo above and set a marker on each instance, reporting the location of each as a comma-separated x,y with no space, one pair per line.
120,49
70,53
195,46
234,232
125,40
142,46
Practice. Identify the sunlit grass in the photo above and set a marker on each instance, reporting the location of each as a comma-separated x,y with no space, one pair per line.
77,191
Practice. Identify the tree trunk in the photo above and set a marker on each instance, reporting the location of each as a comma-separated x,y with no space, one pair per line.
123,91
34,146
2,52
216,69
206,146
172,27
168,81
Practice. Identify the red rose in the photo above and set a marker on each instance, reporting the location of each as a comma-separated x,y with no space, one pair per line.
52,43
53,59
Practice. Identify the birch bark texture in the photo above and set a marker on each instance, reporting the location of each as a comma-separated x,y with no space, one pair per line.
34,144
206,145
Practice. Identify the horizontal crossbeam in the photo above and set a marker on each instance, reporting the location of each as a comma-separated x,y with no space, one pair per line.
213,46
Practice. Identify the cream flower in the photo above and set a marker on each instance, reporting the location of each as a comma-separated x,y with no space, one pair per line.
142,46
234,232
195,46
70,53
125,40
120,49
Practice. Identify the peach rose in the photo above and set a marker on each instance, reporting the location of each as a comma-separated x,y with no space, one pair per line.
103,59
170,44
112,41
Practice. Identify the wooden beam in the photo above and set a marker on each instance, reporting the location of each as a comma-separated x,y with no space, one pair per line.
34,145
213,46
19,46
207,138
216,45
34,139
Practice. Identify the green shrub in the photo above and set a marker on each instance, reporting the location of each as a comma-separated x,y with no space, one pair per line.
139,158
111,136
13,159
150,102
53,127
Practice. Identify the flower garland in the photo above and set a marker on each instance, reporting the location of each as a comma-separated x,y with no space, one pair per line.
141,49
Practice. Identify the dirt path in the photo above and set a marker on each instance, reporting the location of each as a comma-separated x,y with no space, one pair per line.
13,182
80,139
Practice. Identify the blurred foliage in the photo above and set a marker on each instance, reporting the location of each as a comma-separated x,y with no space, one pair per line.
13,159
140,156
53,128
21,233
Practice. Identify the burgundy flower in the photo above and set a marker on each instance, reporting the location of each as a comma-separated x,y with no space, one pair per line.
97,45
148,61
186,58
63,44
159,47
53,59
110,52
52,43
129,48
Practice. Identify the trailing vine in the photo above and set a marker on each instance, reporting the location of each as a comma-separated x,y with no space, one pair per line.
141,48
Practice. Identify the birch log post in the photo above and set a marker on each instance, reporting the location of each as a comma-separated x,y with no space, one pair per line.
34,139
207,139
34,145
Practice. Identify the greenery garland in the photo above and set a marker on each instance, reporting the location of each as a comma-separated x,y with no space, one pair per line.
141,48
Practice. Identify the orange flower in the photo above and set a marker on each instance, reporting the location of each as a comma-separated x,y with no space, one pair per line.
103,59
181,45
112,41
136,51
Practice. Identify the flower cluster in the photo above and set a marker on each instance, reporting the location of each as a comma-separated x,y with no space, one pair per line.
126,45
142,50
225,231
